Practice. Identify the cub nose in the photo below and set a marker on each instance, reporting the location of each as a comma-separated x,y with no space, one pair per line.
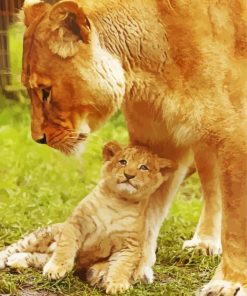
42,140
128,177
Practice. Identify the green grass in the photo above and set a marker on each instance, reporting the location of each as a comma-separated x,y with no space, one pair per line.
39,186
15,35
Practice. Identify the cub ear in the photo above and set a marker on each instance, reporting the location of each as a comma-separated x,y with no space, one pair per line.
33,9
110,149
167,167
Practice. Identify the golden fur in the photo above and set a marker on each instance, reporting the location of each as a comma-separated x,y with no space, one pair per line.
178,69
106,229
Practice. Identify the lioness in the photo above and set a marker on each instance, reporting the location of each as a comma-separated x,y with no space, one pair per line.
178,71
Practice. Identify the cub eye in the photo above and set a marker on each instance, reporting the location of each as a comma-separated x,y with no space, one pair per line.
123,162
143,167
45,94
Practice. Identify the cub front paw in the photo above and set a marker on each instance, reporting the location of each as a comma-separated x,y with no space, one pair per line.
55,271
115,287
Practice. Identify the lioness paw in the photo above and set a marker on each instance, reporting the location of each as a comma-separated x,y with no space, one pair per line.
18,260
222,288
55,271
206,247
114,287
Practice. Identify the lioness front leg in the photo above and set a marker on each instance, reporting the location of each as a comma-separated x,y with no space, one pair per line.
158,207
207,237
231,276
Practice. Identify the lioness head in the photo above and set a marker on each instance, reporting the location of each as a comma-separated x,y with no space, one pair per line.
73,82
134,171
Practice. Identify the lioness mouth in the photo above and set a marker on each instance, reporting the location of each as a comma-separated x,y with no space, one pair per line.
82,137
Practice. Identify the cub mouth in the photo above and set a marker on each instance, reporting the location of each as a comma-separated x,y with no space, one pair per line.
127,182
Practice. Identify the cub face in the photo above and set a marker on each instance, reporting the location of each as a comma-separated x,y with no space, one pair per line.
134,171
74,84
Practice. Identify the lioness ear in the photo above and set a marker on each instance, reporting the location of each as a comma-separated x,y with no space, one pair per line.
69,14
70,28
33,9
167,167
110,149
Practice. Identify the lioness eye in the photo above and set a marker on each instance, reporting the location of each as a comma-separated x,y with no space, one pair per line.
45,94
143,167
123,162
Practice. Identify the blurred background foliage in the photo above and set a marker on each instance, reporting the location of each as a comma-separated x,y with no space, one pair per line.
15,35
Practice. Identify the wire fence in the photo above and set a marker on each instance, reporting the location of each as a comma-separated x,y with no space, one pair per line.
8,12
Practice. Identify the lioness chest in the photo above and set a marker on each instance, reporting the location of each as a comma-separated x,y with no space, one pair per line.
175,68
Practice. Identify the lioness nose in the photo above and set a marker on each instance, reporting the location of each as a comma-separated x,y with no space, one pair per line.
128,177
42,140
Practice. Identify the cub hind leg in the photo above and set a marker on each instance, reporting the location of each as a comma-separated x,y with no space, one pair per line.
40,241
97,272
25,260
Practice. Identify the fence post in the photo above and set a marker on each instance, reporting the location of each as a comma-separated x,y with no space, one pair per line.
8,9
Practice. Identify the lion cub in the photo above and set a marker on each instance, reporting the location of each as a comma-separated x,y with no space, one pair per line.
105,232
